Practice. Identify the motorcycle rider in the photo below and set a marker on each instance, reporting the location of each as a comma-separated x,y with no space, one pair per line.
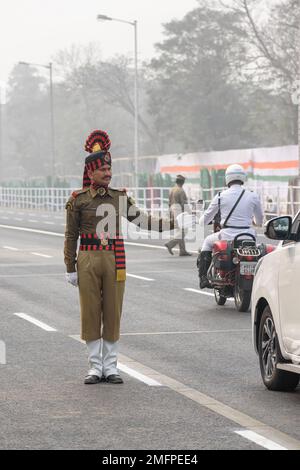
237,207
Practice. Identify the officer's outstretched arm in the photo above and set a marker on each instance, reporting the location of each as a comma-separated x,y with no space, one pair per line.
145,221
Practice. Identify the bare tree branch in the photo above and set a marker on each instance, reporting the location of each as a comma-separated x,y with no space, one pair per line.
277,64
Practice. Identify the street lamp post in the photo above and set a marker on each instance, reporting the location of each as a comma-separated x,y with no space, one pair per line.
136,96
52,133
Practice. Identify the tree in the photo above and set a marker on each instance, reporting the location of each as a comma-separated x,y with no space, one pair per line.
273,53
28,126
212,88
195,97
104,91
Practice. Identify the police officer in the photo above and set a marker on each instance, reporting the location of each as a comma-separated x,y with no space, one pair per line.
94,213
178,203
239,220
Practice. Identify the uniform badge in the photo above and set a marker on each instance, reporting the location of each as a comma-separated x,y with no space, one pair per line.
101,192
104,242
106,158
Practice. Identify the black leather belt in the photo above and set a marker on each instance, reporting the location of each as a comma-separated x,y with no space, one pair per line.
93,241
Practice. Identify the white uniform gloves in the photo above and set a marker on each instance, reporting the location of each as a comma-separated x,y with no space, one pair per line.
72,278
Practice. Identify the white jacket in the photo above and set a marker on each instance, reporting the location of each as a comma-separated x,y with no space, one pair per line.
248,207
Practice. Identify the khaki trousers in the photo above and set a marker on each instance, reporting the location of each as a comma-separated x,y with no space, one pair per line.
101,296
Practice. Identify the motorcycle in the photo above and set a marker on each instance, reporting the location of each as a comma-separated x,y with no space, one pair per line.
232,269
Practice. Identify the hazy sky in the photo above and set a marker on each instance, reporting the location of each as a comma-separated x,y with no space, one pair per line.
34,30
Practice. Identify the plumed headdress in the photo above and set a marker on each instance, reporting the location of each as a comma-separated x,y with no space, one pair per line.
97,144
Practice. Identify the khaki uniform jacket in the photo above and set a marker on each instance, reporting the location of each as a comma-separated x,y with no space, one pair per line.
88,209
177,200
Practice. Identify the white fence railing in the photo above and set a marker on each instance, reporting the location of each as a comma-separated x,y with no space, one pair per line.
54,199
283,200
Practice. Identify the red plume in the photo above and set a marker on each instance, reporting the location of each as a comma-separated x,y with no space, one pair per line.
97,137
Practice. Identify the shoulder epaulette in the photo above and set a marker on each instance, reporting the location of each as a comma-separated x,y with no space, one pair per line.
79,191
124,191
71,201
120,190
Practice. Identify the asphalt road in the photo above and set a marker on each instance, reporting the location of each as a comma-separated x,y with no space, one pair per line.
192,379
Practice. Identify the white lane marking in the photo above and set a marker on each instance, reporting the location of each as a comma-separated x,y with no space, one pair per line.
203,293
260,440
210,403
30,275
221,409
21,213
41,254
12,248
128,370
139,277
32,220
137,375
185,332
49,223
46,216
10,212
35,321
25,229
199,291
145,245
32,230
5,218
18,218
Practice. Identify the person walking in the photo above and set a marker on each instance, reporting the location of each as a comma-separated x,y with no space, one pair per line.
178,204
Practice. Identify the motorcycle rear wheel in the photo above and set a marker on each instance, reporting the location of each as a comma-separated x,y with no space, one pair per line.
242,299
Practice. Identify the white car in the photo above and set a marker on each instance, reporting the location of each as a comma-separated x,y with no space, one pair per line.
276,308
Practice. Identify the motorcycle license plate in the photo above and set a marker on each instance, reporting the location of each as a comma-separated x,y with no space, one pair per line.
247,268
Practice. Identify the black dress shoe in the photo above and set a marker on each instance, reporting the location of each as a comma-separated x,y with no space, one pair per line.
185,253
114,379
92,379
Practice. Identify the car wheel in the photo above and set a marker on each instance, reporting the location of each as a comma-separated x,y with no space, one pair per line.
220,299
270,356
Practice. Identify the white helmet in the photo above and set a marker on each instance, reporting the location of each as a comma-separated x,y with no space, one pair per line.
235,173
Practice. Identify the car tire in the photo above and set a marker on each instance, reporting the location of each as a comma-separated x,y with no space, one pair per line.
270,355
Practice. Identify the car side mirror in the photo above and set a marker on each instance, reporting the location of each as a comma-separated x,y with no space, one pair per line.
279,228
